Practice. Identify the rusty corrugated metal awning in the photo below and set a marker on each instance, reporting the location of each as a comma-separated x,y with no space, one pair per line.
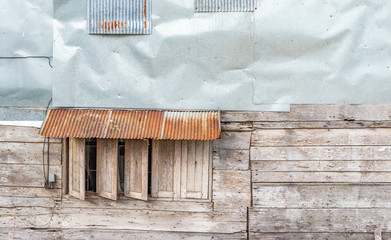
131,124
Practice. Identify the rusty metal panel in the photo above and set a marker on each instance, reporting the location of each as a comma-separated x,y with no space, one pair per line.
119,17
132,124
224,6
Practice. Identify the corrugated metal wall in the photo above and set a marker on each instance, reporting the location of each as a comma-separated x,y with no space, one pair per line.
224,5
119,17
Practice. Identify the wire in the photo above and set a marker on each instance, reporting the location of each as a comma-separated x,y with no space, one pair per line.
46,175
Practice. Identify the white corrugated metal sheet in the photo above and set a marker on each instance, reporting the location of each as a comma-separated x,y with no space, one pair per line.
119,17
224,6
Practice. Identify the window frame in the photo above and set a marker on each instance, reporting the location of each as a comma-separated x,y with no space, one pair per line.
176,197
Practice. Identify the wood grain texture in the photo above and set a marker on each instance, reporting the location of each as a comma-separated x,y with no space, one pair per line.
315,112
136,169
319,220
28,153
231,159
321,166
337,177
15,175
22,134
134,204
99,234
321,153
321,195
107,168
145,220
321,137
317,236
322,125
231,190
30,192
236,126
77,168
14,202
233,140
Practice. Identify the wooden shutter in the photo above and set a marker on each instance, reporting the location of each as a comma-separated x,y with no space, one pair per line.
195,169
136,169
77,167
106,169
166,168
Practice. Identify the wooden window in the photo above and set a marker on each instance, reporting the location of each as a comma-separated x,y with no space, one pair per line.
178,169
181,169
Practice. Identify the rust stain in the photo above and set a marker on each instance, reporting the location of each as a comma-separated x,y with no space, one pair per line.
145,14
122,24
112,25
131,124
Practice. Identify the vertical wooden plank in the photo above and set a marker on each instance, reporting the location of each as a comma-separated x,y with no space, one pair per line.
65,166
77,167
198,166
177,169
191,155
184,169
155,168
205,169
106,170
136,169
166,163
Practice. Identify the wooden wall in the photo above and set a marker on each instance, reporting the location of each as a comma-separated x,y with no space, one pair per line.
320,172
28,211
317,172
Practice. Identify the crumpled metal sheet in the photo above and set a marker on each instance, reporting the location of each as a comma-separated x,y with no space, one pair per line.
25,82
286,52
26,28
335,52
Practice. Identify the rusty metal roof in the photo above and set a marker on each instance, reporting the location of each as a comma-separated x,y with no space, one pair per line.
132,124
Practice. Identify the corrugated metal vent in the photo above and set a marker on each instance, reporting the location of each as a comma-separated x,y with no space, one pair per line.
132,124
224,5
119,17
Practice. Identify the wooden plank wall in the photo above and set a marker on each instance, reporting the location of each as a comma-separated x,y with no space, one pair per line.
38,213
319,171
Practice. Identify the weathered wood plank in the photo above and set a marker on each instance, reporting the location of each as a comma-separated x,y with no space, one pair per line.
98,234
231,190
321,153
324,195
146,220
231,159
22,134
29,192
321,137
233,140
77,166
28,153
136,169
322,125
337,177
129,203
319,220
26,175
236,126
107,168
315,112
12,202
312,236
321,166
